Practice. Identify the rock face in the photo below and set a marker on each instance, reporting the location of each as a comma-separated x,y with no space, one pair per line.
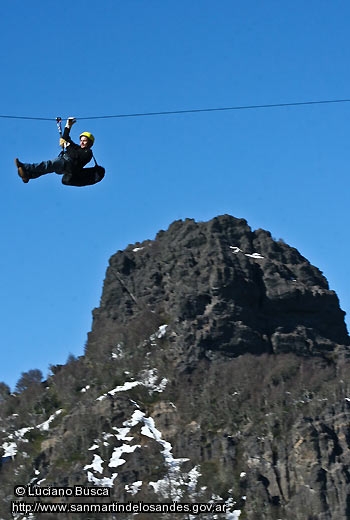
216,374
228,290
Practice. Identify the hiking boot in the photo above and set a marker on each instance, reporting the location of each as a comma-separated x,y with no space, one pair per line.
21,171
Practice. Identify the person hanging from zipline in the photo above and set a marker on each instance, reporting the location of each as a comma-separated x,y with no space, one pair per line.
69,163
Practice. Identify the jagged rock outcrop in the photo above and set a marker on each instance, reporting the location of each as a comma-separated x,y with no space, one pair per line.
216,372
227,289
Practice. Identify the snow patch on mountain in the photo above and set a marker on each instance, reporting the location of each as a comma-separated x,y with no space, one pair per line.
10,446
45,425
133,488
236,250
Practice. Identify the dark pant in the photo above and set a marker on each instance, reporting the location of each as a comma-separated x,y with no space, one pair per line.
59,165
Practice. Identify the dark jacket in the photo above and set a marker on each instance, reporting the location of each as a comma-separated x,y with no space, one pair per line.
78,156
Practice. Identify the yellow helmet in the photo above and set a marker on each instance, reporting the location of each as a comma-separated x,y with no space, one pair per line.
89,136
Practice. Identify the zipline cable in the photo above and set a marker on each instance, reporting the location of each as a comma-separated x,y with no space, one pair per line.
190,111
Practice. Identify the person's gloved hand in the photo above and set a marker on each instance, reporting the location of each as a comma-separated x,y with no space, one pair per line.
70,122
63,143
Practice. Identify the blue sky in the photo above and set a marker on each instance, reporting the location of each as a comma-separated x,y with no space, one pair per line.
282,169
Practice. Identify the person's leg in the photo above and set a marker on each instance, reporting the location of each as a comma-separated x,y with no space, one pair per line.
35,170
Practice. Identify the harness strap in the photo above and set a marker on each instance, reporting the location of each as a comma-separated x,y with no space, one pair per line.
94,160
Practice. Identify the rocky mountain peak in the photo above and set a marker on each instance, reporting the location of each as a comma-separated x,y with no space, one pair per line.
227,290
